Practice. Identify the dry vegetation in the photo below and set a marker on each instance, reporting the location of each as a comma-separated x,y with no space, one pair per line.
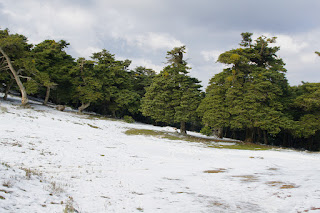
219,170
209,142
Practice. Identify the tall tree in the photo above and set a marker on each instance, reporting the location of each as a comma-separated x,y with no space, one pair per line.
173,96
15,60
141,78
249,94
53,64
306,112
86,82
117,88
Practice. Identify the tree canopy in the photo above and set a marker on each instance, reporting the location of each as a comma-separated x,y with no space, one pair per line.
249,93
173,96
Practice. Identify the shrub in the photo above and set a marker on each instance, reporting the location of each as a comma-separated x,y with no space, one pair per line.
206,131
128,119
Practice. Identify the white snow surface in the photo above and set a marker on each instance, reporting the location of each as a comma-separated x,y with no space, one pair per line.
95,166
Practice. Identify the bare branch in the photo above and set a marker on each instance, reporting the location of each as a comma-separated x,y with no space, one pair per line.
25,77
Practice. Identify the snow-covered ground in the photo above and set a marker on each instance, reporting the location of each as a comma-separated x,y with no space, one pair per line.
50,159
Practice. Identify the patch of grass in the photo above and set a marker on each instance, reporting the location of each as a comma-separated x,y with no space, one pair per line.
169,135
274,183
2,198
3,109
92,126
244,146
5,164
220,170
282,184
7,183
100,117
273,169
136,193
256,157
314,208
207,141
30,172
153,133
2,190
128,119
219,204
69,206
288,186
140,209
247,178
143,132
55,188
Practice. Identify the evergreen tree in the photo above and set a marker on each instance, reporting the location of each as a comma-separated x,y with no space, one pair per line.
173,96
250,94
141,78
86,82
117,88
16,62
54,64
306,106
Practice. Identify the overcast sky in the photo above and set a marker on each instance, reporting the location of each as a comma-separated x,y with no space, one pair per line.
144,30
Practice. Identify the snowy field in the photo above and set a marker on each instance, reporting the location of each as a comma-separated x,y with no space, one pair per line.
51,161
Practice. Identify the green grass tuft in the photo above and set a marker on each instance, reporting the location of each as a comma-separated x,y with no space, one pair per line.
207,141
243,146
92,126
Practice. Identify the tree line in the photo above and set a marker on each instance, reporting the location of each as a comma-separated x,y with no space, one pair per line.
249,100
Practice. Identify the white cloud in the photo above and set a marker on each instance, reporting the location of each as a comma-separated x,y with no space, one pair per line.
144,30
153,40
212,55
289,44
145,63
309,58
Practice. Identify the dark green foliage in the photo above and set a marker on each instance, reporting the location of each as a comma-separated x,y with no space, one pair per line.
249,94
116,84
142,78
173,96
206,131
54,64
128,119
86,83
306,105
16,48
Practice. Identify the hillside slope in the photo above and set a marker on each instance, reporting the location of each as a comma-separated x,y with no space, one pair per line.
52,160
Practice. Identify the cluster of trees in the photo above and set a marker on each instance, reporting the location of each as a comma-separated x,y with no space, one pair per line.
46,71
249,100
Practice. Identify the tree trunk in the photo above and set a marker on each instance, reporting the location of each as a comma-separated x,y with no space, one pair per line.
114,114
310,144
259,135
8,87
183,128
265,137
24,98
47,96
234,134
285,139
249,135
83,107
220,133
